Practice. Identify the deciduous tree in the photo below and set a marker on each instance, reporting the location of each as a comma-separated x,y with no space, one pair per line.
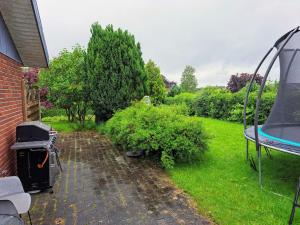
238,81
188,80
66,83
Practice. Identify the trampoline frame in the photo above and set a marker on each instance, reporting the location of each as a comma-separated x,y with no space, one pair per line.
286,37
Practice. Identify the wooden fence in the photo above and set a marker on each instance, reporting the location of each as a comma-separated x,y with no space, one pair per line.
31,102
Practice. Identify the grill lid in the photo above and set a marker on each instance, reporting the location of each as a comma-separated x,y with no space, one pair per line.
32,131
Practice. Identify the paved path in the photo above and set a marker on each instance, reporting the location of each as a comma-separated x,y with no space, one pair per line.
99,185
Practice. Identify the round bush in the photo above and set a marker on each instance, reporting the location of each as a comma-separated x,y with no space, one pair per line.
160,130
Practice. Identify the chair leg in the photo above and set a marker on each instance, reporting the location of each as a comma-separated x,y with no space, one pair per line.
29,217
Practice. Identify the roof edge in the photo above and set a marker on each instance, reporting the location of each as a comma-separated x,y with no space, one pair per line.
40,29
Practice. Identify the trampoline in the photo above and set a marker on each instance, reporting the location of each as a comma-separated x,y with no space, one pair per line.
281,130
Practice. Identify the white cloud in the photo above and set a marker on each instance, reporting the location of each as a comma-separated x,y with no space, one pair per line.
217,37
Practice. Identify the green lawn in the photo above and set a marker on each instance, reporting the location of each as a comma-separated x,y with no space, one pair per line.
61,124
226,189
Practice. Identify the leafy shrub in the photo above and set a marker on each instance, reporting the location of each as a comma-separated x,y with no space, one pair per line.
214,102
238,81
267,102
220,103
184,98
162,131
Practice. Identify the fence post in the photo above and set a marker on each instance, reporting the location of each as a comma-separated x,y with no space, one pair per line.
24,100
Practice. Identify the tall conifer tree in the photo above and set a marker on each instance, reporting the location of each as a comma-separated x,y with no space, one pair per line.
115,70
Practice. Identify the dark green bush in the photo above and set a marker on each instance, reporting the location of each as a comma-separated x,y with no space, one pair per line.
162,131
175,90
115,71
184,98
214,102
220,103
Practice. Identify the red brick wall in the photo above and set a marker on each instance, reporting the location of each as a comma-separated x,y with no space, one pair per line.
11,113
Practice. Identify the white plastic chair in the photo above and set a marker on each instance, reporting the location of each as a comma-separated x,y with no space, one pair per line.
9,214
11,189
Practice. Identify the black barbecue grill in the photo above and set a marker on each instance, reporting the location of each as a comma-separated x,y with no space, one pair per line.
37,156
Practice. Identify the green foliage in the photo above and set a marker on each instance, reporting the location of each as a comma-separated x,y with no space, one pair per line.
163,131
52,112
156,83
65,80
115,70
188,80
184,98
214,102
175,90
220,103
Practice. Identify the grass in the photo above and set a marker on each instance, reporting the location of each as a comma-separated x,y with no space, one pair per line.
226,189
61,124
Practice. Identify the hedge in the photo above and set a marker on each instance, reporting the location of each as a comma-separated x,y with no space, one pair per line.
220,103
163,131
187,99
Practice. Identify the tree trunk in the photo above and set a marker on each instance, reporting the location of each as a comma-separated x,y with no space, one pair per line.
68,114
98,119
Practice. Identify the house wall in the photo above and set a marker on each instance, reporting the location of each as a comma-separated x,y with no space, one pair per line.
11,113
7,46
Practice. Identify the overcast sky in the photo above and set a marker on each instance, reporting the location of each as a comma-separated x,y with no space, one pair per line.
217,37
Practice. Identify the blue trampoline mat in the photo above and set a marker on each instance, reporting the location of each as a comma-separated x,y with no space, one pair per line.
288,142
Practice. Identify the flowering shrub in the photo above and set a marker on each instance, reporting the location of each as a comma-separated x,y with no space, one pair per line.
43,93
47,104
31,79
43,98
31,76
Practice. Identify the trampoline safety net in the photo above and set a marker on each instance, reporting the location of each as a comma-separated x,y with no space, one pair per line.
284,119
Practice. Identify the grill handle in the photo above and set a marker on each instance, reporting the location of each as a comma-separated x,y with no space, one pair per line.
41,165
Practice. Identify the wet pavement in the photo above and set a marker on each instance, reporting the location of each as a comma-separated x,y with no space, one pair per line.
99,185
